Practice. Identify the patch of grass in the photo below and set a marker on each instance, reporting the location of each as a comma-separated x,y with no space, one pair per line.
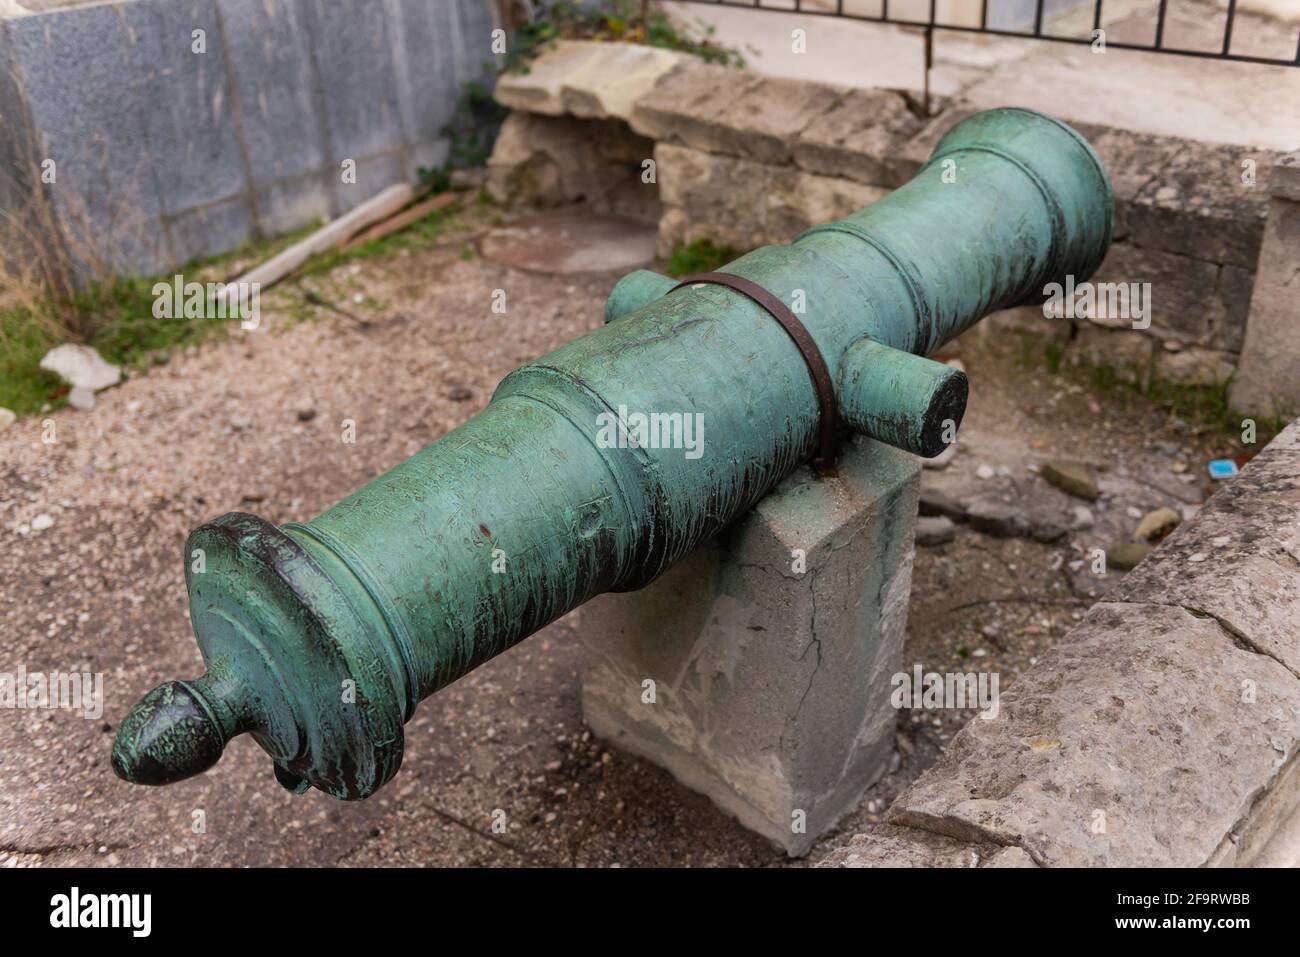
1205,408
1208,406
115,316
625,21
421,234
699,256
122,328
1053,353
24,386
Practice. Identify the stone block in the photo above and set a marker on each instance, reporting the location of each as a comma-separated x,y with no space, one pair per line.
783,201
188,119
89,120
1239,561
374,175
350,53
1140,740
887,845
1268,837
19,166
588,79
539,89
771,679
1235,287
1268,376
1185,301
1129,353
1284,177
733,112
424,67
1194,366
1197,205
859,138
289,204
205,231
269,51
543,161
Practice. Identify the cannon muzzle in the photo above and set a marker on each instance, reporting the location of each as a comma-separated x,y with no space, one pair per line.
598,466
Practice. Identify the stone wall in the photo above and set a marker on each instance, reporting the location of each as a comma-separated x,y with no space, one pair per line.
163,153
1185,220
744,160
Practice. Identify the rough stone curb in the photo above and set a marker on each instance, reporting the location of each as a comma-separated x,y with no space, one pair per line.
1163,730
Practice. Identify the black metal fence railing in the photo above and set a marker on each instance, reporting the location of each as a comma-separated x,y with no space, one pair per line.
836,8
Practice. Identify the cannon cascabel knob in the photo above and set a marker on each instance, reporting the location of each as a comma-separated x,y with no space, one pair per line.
169,735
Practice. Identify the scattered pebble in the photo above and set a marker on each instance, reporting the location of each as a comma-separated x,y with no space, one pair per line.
934,530
1072,478
1157,524
41,522
985,472
1126,555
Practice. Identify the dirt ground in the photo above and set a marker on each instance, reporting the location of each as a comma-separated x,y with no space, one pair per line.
253,423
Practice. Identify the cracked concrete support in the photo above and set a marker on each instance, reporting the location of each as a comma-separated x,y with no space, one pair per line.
758,670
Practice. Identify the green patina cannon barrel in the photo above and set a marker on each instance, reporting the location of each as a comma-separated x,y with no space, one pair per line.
321,638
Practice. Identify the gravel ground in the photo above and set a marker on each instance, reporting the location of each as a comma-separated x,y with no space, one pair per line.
253,423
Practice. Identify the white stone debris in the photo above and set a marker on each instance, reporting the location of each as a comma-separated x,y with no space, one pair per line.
84,369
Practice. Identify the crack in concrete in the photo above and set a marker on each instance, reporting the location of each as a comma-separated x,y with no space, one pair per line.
814,642
1234,634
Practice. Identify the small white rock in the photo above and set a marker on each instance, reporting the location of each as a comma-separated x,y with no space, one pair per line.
41,522
985,472
81,366
7,418
1198,557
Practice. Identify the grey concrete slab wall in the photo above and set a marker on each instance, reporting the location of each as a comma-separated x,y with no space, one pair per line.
188,117
75,70
182,128
277,97
16,173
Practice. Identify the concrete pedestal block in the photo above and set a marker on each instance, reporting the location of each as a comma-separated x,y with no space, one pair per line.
758,670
